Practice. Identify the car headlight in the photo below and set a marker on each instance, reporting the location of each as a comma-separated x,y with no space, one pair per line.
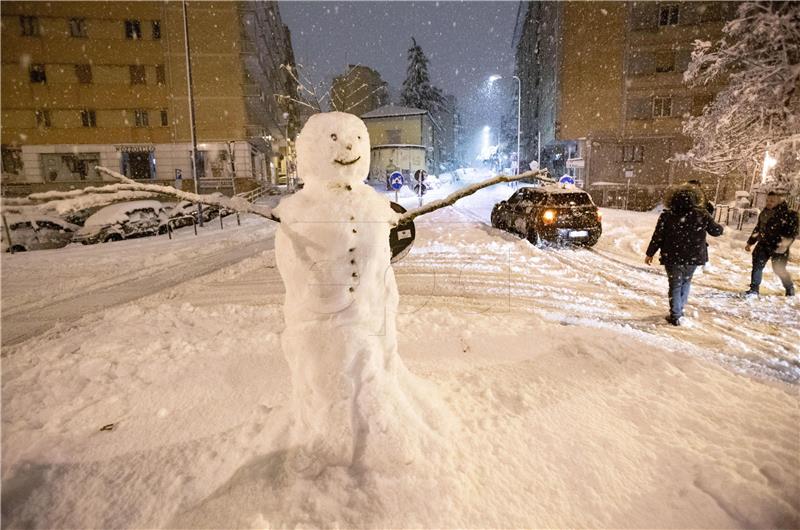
549,216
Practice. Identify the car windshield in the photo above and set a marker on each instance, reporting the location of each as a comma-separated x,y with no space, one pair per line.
569,199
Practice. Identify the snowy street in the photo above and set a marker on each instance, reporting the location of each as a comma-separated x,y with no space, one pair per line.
575,403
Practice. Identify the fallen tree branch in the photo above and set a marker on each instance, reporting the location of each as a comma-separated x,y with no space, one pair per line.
93,196
540,174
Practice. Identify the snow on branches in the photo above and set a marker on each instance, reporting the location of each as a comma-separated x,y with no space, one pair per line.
417,89
64,202
758,62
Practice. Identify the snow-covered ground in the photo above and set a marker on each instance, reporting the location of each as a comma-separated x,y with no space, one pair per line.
574,404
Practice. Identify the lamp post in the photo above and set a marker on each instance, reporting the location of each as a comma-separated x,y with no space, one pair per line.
519,110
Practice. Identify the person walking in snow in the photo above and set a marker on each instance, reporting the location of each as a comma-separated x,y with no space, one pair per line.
680,235
775,231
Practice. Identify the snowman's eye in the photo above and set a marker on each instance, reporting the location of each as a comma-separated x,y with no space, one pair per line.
334,137
359,138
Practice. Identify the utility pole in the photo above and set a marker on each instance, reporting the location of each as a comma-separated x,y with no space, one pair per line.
190,95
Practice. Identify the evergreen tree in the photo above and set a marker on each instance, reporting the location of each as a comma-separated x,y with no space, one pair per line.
417,89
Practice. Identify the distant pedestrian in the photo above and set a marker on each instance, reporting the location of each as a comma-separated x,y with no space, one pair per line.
680,235
774,233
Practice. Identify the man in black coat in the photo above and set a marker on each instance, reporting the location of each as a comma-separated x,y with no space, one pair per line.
774,233
680,235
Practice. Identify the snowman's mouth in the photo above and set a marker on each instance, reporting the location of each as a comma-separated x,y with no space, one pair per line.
348,163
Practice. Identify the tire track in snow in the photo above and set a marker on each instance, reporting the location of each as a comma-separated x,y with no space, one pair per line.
741,334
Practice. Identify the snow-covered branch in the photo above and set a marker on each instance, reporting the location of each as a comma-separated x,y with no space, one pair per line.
540,174
74,200
758,109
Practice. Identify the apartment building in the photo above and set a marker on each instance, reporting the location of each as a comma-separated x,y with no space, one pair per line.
603,97
88,83
359,90
402,139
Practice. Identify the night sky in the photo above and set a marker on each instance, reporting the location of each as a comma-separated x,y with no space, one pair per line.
465,42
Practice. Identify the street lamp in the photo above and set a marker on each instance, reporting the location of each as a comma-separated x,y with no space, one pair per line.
494,78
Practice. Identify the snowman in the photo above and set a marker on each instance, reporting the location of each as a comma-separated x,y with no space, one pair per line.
354,402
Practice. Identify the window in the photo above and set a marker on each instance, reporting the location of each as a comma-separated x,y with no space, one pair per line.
393,136
38,74
30,26
12,160
88,118
156,29
43,118
133,29
665,61
632,153
710,12
164,118
138,76
568,199
662,106
161,74
140,118
668,15
84,73
699,103
77,27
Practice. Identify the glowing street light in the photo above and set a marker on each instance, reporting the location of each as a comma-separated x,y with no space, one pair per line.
769,163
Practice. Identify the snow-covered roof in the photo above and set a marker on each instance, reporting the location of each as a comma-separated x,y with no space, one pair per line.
388,111
115,213
560,188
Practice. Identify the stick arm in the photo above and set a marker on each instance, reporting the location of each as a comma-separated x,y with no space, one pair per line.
541,174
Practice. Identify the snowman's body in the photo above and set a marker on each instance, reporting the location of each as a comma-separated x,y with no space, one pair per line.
354,401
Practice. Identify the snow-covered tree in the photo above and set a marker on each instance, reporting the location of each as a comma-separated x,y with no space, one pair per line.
758,110
417,89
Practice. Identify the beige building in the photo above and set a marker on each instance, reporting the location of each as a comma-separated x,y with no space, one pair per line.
87,83
359,90
603,89
402,139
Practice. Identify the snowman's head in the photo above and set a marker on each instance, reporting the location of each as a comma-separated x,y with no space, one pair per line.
333,148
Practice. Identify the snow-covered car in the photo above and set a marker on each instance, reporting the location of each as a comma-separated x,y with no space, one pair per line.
182,213
36,233
550,213
123,221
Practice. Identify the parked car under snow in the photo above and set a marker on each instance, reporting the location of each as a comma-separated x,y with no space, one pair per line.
182,213
36,233
124,221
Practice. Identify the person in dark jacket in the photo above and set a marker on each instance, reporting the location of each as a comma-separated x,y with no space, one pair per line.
680,235
774,233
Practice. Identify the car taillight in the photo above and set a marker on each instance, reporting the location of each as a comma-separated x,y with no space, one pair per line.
549,216
599,215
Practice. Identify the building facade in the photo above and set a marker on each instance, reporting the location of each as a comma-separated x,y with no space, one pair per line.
402,139
603,97
88,83
359,90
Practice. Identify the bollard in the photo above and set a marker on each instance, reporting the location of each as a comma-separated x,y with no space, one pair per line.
238,221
